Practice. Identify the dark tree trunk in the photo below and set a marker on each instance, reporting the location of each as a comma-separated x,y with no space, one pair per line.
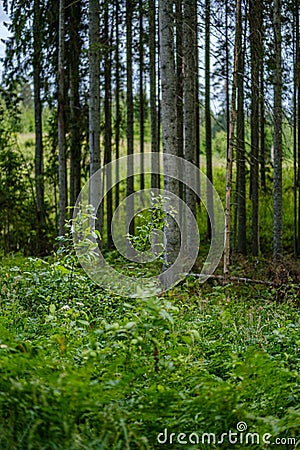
108,129
94,106
277,249
75,110
130,143
190,70
169,121
241,156
141,92
208,141
62,164
153,109
37,61
118,111
232,122
255,58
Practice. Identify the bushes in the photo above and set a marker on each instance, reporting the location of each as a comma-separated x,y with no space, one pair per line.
83,370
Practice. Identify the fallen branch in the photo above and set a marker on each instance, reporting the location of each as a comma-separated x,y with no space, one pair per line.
240,280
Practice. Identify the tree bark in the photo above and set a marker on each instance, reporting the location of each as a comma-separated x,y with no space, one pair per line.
118,111
208,141
141,92
230,150
130,123
277,244
108,128
94,106
62,164
153,103
75,110
190,70
169,122
39,165
241,154
254,10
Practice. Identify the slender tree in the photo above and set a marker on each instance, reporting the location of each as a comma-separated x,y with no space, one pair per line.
75,10
117,95
94,105
297,124
208,143
108,127
153,102
130,121
231,147
169,120
37,69
277,113
254,9
179,80
241,153
141,91
62,164
190,99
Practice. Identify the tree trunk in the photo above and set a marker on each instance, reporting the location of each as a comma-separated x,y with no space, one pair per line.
169,122
62,165
118,111
208,143
230,150
197,106
241,154
108,130
153,110
94,106
277,245
179,81
190,70
141,93
75,110
298,119
39,166
130,143
254,10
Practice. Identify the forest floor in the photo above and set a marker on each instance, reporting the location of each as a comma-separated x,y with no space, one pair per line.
82,369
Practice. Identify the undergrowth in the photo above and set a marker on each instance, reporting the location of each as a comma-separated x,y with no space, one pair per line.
81,369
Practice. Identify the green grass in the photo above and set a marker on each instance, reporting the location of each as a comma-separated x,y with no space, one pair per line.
81,369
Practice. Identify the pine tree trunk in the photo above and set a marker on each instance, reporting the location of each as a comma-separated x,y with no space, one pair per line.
208,142
255,57
169,121
130,143
108,129
277,248
295,86
153,105
298,120
62,165
179,81
75,110
230,150
141,93
94,106
39,166
190,70
241,154
118,111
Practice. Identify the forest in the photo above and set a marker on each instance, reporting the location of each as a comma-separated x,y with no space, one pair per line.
150,224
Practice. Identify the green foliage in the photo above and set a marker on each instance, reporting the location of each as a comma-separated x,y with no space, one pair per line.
83,370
